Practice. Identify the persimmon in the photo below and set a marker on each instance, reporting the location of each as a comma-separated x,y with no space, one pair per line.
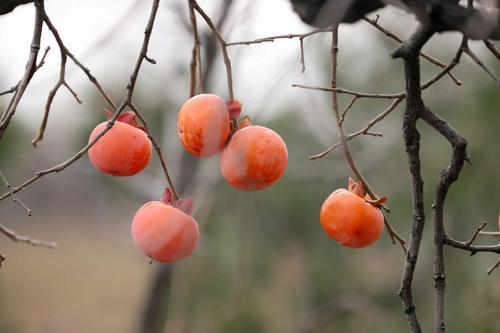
350,218
254,158
124,150
165,231
203,124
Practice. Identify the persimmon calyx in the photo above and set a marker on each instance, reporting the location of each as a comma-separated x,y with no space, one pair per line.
234,107
377,202
127,117
357,188
185,204
245,122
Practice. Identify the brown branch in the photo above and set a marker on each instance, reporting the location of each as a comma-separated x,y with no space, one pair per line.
390,34
492,48
350,92
447,178
31,68
346,110
157,148
492,268
2,259
481,64
343,139
473,249
195,66
363,131
409,51
64,50
127,101
222,44
9,91
14,198
53,92
25,239
476,233
271,39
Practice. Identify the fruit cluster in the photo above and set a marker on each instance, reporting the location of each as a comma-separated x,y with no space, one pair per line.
252,158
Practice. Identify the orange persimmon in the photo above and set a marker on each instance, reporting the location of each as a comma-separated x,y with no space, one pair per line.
163,232
349,218
203,125
254,158
124,150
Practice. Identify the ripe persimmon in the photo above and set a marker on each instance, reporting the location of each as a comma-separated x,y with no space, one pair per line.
124,150
163,232
203,125
351,219
254,158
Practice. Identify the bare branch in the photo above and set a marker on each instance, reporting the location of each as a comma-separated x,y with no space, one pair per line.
350,92
127,101
363,131
14,198
481,64
492,268
492,48
158,150
195,66
390,34
473,249
31,68
25,239
474,235
222,44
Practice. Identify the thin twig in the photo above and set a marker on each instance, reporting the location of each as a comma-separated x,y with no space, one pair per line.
343,139
473,249
31,68
70,55
222,44
492,48
492,268
25,239
157,149
196,79
109,125
14,198
390,34
61,82
481,64
349,106
474,235
350,92
363,131
271,39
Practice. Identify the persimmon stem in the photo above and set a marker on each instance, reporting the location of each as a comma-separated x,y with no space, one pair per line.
344,140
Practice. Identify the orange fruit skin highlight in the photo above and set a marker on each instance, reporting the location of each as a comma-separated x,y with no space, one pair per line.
124,150
203,125
163,232
350,220
254,158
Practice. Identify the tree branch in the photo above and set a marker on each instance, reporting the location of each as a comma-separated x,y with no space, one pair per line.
31,68
410,51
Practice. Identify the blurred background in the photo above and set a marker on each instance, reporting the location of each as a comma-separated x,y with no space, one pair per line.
263,263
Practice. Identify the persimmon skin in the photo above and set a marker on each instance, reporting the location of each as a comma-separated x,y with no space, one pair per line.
350,220
203,125
164,233
124,150
254,158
